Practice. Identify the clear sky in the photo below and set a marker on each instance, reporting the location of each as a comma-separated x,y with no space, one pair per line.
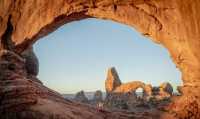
77,55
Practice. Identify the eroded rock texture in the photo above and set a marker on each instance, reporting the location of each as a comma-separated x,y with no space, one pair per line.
172,23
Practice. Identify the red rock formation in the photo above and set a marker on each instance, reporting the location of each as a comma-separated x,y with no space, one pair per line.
112,81
172,23
132,87
113,84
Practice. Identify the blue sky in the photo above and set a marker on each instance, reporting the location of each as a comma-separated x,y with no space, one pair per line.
77,55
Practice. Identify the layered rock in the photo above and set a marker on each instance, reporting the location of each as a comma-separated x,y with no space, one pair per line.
18,93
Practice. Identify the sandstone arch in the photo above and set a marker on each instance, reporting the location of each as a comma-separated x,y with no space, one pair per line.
132,87
174,24
113,84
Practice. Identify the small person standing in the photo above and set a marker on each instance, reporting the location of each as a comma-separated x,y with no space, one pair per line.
100,106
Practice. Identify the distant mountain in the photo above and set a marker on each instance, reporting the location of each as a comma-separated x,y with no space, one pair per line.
89,95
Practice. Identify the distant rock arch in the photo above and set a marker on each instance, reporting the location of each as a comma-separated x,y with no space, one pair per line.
132,87
113,84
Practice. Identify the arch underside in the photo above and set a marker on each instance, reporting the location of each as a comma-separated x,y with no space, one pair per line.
174,24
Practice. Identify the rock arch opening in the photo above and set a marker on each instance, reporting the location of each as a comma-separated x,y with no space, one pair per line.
139,92
114,43
129,50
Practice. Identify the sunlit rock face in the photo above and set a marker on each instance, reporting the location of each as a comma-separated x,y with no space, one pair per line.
113,84
11,64
124,95
133,86
112,81
172,23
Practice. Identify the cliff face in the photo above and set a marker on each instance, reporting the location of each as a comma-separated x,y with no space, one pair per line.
172,23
